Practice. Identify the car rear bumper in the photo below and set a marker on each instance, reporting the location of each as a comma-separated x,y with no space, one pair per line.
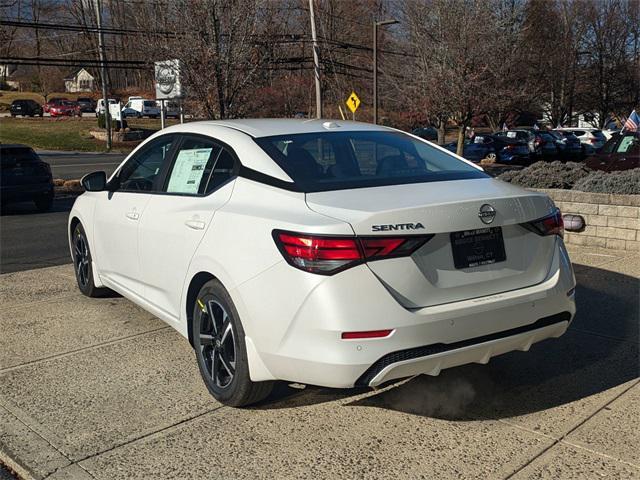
309,348
20,193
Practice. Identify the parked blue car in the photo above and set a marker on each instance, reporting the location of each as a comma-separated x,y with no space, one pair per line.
501,149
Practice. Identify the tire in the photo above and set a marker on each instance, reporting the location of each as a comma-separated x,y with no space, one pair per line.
218,341
82,264
492,156
44,203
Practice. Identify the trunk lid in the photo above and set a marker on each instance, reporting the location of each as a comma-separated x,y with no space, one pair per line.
430,277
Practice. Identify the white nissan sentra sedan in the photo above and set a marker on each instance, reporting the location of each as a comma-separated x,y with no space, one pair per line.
330,253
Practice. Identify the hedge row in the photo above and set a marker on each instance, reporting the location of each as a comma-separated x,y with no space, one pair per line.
575,176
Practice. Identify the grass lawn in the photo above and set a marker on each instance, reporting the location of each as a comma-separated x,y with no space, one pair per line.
65,133
50,134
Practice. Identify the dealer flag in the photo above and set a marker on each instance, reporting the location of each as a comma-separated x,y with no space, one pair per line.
632,122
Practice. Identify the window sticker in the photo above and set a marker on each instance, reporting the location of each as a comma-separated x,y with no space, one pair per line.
187,170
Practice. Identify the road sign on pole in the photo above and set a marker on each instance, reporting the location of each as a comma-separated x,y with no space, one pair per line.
353,102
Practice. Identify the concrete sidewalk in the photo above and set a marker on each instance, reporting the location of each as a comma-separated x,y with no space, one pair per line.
98,388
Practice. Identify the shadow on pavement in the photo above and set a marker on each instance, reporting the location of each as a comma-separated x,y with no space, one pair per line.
599,351
60,204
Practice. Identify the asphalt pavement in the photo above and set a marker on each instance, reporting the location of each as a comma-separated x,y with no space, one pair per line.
74,165
30,239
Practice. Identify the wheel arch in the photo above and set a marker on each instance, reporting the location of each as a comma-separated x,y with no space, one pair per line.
73,223
196,283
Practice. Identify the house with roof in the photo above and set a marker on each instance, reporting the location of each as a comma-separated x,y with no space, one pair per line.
8,74
79,81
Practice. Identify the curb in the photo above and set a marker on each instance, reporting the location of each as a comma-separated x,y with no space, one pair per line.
14,467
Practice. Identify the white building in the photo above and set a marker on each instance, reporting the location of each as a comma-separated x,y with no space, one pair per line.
80,81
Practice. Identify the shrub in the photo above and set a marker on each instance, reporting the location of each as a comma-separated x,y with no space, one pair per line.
102,123
547,175
626,182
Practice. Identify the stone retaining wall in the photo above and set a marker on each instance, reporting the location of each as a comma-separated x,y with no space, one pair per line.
612,221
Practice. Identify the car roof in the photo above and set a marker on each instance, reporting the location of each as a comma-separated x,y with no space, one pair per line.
582,129
266,127
13,145
236,132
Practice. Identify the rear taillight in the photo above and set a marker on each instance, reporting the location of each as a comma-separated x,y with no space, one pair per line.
327,255
549,225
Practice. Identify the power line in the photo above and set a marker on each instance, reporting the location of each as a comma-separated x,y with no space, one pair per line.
84,28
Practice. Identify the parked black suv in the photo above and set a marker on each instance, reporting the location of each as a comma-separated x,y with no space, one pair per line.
25,107
87,104
24,177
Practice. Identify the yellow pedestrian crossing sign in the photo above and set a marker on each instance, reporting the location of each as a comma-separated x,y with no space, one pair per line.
353,102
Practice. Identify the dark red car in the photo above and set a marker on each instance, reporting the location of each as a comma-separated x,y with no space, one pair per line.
65,108
53,102
621,152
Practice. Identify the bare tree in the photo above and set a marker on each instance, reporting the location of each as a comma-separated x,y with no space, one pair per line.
218,44
454,72
608,66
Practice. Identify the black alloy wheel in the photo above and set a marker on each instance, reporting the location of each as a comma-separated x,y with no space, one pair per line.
219,343
82,264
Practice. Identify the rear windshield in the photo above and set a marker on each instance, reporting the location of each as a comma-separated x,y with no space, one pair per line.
11,155
342,160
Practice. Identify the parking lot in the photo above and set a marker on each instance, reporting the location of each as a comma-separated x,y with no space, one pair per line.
101,389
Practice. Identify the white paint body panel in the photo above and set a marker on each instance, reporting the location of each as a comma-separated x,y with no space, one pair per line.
294,319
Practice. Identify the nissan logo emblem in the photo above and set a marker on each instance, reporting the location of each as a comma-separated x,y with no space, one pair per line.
487,213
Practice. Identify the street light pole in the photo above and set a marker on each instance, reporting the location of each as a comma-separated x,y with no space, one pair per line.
103,71
375,64
316,62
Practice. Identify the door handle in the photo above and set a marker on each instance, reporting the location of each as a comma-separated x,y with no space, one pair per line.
133,215
195,224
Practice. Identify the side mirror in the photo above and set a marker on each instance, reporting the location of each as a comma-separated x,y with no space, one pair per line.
94,182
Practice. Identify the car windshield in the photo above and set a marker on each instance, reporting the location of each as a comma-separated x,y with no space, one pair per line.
342,160
67,104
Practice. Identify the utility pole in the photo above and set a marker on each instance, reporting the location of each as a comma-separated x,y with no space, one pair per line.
103,71
375,64
316,62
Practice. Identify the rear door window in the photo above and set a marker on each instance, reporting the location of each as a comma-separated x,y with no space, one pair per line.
201,166
191,168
